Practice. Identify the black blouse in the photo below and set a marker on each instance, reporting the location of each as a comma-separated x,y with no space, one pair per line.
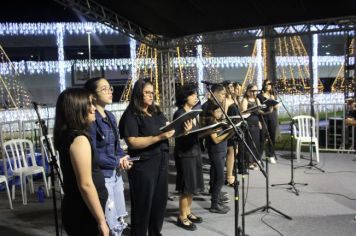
140,125
186,146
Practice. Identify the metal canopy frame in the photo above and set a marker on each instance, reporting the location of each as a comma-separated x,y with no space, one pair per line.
346,23
110,18
104,15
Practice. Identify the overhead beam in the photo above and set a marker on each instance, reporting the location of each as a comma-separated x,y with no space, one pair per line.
303,28
104,15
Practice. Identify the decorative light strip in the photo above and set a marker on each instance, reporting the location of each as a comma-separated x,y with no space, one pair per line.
132,60
61,68
200,68
51,28
259,63
50,67
315,63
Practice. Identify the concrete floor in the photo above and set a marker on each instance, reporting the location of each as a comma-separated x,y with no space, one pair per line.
326,206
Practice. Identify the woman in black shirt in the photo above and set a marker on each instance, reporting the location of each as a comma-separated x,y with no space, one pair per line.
188,160
84,188
270,118
217,149
254,125
139,126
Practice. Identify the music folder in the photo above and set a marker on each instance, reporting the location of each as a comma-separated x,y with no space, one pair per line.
270,102
206,130
222,132
177,124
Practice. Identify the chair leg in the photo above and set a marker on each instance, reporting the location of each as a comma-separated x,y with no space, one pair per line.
317,151
298,150
31,185
49,182
13,191
23,189
8,195
45,182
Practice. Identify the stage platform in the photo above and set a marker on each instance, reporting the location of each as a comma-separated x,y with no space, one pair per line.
327,206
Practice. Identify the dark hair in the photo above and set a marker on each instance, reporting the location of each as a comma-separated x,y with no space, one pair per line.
249,87
226,83
235,84
183,93
217,88
92,84
211,107
136,101
72,110
264,86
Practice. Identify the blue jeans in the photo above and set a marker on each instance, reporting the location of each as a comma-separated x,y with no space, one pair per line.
115,209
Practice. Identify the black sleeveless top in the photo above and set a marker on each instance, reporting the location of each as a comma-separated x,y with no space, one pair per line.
71,190
253,119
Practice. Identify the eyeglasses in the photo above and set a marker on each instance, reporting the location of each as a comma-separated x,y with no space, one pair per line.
107,90
253,91
269,83
148,93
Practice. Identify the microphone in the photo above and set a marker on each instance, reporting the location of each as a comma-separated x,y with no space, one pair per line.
209,83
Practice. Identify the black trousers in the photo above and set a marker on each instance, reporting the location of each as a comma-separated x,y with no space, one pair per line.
217,161
253,141
271,121
149,192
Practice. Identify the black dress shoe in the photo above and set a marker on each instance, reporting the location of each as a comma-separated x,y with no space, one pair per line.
218,208
186,224
195,219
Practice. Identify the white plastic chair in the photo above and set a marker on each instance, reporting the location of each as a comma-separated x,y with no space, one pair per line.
17,151
47,154
305,134
3,179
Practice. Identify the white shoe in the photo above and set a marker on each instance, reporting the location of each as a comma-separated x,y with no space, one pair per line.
272,160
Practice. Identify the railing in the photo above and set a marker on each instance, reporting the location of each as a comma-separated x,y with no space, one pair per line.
330,117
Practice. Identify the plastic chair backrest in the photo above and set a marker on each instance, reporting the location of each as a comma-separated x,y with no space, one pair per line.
17,152
305,127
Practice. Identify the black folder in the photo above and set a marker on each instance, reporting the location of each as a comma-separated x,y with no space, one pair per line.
270,102
177,124
204,130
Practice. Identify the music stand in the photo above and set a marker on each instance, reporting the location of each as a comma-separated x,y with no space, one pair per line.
291,182
268,206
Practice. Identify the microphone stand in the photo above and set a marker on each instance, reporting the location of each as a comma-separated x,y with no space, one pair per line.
291,182
311,165
53,166
267,207
239,135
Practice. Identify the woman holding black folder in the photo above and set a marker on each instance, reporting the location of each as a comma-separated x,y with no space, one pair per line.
253,137
188,160
140,127
270,117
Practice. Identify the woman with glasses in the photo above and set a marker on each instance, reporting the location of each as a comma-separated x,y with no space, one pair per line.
254,125
112,159
270,118
85,194
140,127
